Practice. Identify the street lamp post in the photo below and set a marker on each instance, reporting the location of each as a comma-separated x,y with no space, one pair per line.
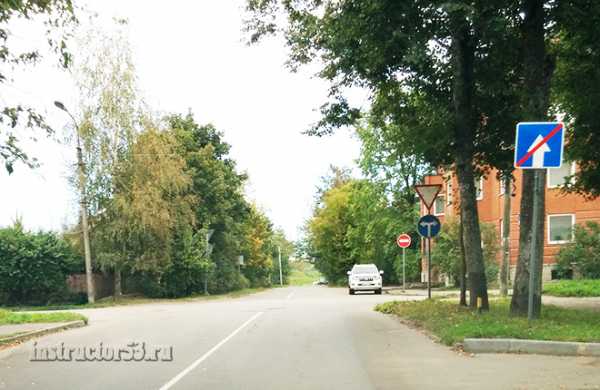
280,271
83,210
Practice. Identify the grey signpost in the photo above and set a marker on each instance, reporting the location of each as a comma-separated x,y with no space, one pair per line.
403,242
538,146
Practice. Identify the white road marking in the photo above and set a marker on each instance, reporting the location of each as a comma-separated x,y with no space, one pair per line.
202,358
290,295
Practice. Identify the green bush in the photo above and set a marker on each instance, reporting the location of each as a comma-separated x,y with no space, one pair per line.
584,251
573,288
34,267
445,250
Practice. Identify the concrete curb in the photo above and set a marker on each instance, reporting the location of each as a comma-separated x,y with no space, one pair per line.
41,332
540,347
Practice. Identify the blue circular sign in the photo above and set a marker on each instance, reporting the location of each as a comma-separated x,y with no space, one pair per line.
429,226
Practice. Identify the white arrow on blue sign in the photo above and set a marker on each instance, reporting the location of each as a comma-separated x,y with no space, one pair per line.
429,226
539,145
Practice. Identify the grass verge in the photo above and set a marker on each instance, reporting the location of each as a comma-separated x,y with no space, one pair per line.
136,300
10,317
573,288
303,273
452,324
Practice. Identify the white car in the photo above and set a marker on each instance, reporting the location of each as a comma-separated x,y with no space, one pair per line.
365,277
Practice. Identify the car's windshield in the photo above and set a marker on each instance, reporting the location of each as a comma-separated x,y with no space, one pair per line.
364,269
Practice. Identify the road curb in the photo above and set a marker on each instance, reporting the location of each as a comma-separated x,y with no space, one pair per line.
41,332
539,347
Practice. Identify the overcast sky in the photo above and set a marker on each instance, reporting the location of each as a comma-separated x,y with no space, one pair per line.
192,55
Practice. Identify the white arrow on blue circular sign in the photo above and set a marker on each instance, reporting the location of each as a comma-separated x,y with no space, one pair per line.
429,226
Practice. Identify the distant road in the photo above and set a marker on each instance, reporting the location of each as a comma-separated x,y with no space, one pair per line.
288,338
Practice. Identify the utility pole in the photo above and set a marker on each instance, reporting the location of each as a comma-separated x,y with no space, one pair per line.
280,271
83,210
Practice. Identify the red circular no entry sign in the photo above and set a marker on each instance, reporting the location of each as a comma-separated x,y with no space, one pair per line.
403,240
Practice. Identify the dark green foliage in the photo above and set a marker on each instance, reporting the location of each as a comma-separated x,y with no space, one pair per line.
584,252
34,267
446,251
576,88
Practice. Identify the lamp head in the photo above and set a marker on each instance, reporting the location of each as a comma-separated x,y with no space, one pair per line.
60,105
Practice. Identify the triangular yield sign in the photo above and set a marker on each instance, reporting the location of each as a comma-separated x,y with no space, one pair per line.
428,193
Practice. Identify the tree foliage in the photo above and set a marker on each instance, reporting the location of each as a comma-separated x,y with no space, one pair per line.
57,17
576,88
355,223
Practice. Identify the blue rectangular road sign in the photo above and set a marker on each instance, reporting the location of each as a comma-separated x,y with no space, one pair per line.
539,145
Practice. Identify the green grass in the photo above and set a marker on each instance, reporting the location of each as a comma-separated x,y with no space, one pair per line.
452,324
573,288
126,300
303,273
10,317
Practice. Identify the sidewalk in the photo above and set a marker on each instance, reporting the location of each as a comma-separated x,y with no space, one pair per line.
590,303
15,333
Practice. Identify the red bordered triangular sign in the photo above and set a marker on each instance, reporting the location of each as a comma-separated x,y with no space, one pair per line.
428,193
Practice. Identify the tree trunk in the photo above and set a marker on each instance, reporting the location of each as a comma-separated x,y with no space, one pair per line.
462,58
505,268
463,267
538,70
117,290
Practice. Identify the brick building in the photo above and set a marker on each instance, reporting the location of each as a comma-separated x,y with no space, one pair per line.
563,211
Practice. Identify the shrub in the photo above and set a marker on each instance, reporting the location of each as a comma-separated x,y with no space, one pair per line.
34,267
445,250
584,251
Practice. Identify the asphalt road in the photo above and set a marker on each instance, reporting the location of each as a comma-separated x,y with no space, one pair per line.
289,338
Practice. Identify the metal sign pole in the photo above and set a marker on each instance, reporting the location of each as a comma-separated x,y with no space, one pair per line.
429,267
403,268
533,268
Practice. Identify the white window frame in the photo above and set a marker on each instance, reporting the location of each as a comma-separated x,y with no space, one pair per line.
550,241
573,167
443,207
479,184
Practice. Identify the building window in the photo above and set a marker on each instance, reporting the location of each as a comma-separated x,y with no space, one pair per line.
438,205
558,176
449,191
560,228
479,188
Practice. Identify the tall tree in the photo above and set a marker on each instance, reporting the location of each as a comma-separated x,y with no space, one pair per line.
434,64
576,89
150,202
387,160
110,115
538,68
58,17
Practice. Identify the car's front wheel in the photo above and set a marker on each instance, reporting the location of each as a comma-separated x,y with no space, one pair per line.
378,292
350,291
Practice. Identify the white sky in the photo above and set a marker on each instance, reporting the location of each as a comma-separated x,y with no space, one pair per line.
192,55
